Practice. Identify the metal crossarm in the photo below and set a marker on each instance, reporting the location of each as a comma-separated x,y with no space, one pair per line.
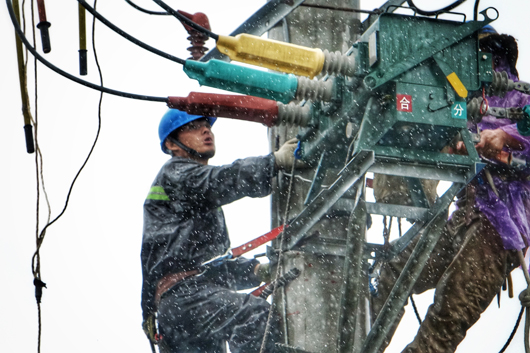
356,169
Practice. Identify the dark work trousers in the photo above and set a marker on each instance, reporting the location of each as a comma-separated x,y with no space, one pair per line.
468,267
202,317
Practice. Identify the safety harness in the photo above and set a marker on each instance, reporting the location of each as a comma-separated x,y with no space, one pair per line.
150,325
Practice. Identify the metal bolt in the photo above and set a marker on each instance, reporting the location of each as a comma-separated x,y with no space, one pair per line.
370,82
484,57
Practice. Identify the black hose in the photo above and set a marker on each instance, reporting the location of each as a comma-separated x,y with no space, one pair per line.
415,309
513,331
437,12
128,36
149,12
183,18
34,52
475,10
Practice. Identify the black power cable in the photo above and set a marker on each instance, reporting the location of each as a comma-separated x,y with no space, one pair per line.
513,331
183,18
34,52
437,12
149,12
128,36
475,10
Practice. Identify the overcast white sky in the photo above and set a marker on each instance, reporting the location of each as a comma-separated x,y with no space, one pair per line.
91,257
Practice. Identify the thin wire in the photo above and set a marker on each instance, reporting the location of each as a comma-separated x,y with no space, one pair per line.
34,52
42,234
415,309
39,311
128,36
280,254
183,18
513,331
149,12
345,9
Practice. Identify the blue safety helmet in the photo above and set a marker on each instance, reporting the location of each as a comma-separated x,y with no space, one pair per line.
172,120
487,29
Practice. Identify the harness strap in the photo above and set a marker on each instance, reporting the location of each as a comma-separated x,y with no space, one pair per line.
168,281
185,148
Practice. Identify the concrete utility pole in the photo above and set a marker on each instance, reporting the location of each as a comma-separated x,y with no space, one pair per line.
322,310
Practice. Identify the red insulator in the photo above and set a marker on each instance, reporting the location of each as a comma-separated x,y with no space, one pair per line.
197,41
197,38
240,107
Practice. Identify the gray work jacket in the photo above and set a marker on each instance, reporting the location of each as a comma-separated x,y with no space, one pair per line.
184,225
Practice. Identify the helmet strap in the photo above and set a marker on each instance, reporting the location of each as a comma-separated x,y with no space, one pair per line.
190,151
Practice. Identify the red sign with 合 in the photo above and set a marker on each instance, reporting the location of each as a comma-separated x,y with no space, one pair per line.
404,103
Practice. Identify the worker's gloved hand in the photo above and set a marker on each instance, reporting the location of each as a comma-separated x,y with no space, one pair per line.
285,155
524,297
263,272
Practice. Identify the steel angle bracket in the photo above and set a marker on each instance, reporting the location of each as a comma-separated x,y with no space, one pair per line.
418,214
408,212
411,272
440,205
260,22
320,173
458,170
372,127
318,207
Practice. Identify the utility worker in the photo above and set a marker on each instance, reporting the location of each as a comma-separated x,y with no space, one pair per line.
477,249
199,310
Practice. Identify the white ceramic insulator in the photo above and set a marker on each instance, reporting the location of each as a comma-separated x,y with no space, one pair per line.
339,64
314,89
293,114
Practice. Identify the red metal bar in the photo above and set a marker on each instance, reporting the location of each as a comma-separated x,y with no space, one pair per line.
256,292
43,26
251,245
247,108
42,10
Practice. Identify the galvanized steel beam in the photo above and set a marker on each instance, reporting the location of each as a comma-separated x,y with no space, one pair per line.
310,215
411,272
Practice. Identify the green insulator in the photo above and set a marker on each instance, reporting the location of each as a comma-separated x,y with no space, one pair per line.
523,126
240,79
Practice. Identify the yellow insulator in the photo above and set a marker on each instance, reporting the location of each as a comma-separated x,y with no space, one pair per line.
273,55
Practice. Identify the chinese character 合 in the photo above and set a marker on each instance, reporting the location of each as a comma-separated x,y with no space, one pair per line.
405,103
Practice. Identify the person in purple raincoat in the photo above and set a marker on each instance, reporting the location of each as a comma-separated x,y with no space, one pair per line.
477,249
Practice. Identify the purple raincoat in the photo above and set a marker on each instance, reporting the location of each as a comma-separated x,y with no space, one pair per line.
509,213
